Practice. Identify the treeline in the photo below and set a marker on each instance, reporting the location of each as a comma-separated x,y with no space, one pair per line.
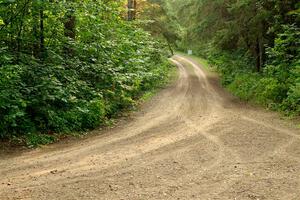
70,66
255,45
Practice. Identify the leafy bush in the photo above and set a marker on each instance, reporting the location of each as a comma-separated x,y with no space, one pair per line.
292,102
244,86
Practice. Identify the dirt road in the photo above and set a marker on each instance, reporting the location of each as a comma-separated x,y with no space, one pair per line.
192,141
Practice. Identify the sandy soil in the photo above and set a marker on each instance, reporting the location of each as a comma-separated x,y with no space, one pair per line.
191,141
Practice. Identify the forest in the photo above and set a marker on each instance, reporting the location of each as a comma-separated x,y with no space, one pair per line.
253,44
71,66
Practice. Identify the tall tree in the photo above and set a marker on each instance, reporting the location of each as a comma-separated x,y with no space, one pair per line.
70,26
132,6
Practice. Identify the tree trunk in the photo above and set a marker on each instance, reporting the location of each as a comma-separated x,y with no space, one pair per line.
19,41
70,26
131,10
42,36
261,54
35,46
257,55
170,48
70,30
11,42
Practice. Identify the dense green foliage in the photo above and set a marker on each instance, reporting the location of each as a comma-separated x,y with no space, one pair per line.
160,21
70,65
254,44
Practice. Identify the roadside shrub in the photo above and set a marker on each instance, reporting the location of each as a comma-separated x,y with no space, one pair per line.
292,102
244,86
13,116
269,91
